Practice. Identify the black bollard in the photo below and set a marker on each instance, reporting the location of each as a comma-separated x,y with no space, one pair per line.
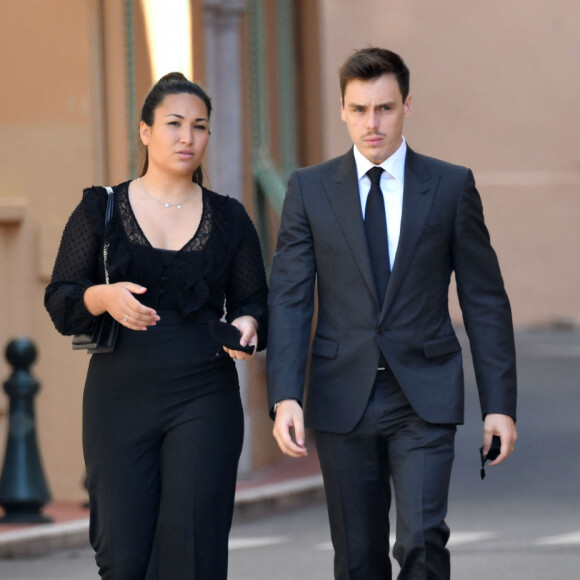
23,488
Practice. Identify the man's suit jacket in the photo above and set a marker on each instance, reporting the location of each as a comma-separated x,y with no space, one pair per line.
322,239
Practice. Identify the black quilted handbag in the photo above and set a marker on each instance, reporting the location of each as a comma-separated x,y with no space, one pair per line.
104,335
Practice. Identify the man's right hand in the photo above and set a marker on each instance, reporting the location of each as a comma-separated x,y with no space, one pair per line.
289,415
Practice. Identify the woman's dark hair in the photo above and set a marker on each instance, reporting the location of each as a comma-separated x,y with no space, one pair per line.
370,63
173,83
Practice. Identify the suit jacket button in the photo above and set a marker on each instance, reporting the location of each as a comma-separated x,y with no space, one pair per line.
381,330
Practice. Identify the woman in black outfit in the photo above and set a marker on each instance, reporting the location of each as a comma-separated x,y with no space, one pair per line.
162,416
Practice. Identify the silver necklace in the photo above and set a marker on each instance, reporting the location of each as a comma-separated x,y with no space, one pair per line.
165,204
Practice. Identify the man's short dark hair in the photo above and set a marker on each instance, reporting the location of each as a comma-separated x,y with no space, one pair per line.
370,63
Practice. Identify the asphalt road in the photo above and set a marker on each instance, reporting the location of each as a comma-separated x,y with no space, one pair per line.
521,523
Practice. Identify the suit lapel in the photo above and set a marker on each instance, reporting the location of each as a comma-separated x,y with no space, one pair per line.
343,195
418,196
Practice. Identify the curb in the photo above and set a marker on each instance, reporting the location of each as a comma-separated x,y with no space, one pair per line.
267,499
44,538
249,503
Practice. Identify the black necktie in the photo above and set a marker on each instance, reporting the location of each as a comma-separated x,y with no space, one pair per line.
376,230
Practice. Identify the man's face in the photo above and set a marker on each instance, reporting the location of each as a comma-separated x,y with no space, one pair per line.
373,112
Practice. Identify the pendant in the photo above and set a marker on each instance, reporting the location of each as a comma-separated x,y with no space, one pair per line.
167,205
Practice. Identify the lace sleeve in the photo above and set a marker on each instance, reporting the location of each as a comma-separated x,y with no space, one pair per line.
75,269
247,289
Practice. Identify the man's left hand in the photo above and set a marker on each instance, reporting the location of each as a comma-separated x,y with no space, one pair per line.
504,427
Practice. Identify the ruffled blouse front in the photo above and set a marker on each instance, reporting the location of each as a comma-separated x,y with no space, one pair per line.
219,269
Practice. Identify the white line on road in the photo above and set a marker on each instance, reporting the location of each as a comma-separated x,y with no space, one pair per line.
456,539
460,538
571,538
323,546
244,543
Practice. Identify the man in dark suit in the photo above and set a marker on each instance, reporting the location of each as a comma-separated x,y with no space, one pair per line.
379,231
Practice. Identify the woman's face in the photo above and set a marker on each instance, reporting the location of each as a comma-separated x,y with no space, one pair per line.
177,139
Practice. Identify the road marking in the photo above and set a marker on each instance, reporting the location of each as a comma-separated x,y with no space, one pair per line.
245,543
323,546
460,538
571,538
456,539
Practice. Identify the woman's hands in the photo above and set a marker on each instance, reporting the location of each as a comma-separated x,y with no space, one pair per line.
248,326
119,301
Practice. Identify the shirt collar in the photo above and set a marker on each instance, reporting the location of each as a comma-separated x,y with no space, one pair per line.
393,165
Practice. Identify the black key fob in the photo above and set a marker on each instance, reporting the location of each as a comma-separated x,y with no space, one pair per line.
492,454
229,336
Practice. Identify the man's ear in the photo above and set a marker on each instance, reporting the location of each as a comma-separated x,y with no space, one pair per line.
408,106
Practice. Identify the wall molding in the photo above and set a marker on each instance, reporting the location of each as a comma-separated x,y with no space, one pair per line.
12,210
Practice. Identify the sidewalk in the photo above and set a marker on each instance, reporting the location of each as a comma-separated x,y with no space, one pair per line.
289,483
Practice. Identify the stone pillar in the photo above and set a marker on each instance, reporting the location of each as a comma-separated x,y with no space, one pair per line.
224,156
223,79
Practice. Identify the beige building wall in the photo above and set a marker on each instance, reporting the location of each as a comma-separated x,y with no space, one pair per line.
50,148
63,127
496,87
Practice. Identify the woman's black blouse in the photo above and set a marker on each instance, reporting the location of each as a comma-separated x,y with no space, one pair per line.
220,269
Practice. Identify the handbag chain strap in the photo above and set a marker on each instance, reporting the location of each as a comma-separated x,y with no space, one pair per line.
108,214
